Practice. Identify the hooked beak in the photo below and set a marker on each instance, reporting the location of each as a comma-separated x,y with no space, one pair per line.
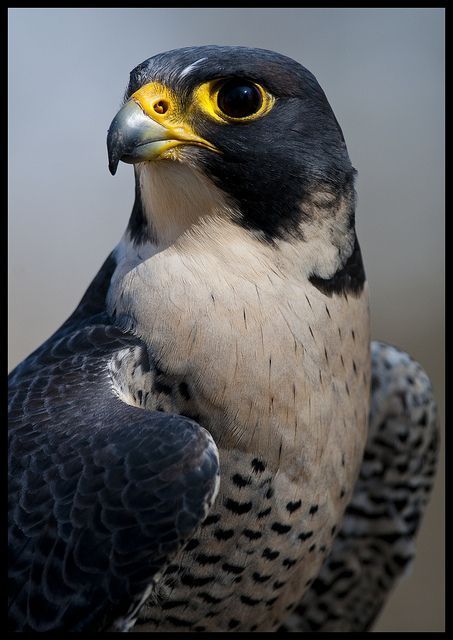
140,131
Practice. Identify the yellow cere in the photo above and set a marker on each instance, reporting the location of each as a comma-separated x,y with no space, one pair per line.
205,97
159,103
163,106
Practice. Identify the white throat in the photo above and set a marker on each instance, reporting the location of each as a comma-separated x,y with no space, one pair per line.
175,196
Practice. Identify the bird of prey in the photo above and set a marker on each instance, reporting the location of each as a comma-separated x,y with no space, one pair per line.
197,447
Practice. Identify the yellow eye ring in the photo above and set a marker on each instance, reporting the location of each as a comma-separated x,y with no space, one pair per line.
243,95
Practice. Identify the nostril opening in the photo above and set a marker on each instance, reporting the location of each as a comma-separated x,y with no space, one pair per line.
161,106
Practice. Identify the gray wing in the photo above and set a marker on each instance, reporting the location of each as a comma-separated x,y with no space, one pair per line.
102,495
376,542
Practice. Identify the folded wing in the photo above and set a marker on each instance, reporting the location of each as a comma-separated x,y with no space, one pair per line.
102,495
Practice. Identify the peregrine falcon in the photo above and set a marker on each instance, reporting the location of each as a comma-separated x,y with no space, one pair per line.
190,450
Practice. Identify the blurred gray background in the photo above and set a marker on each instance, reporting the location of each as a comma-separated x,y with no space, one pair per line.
383,73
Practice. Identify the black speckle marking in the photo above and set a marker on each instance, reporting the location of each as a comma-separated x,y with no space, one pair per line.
332,531
266,512
192,544
270,602
293,506
204,559
143,361
231,568
281,528
382,584
312,548
269,554
269,493
259,578
212,614
184,390
423,420
400,504
161,387
401,561
288,563
238,508
305,535
402,468
240,481
178,622
250,602
388,570
278,585
224,534
258,466
192,581
375,383
342,493
313,509
322,548
233,623
252,535
208,598
210,520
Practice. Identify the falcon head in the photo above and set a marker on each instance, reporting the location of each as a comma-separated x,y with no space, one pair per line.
251,127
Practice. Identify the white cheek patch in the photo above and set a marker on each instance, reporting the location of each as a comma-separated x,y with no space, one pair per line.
188,69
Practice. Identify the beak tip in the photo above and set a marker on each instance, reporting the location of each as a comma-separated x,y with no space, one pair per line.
114,145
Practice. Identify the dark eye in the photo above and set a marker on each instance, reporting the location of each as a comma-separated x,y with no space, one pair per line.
239,98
